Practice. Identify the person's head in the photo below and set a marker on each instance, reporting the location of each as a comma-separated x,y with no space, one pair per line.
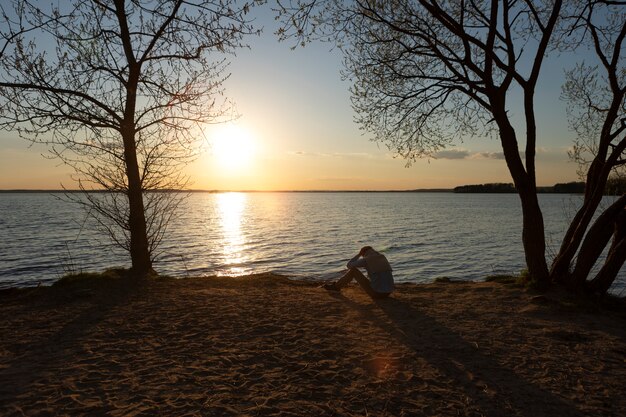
365,249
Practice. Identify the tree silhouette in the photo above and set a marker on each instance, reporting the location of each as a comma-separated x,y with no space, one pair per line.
120,90
427,73
597,114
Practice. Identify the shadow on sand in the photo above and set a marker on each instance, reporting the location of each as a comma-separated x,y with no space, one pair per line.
493,389
38,366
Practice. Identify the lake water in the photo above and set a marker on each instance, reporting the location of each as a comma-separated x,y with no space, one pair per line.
304,235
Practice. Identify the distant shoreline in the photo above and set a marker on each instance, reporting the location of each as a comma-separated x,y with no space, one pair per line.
425,190
487,188
540,190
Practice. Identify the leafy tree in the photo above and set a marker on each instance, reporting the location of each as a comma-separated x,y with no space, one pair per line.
426,73
120,90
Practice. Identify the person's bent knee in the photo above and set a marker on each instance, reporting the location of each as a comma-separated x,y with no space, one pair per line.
354,272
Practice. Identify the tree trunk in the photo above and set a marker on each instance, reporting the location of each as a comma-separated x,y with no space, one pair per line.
533,238
614,260
596,178
591,249
139,248
595,241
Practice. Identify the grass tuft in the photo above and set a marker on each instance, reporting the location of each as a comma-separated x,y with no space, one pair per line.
527,280
502,279
524,279
83,277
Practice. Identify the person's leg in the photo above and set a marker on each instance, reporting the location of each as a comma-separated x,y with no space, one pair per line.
358,276
364,283
346,278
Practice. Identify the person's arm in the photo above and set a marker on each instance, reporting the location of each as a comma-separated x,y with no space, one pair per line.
356,262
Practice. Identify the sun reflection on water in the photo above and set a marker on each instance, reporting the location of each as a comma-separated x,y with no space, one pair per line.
231,207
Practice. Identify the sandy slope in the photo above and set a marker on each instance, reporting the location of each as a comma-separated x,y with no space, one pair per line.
266,346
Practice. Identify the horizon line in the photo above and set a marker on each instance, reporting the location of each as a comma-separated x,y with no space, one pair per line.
436,189
56,190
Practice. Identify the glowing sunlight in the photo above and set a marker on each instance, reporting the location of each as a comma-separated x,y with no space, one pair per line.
231,207
233,147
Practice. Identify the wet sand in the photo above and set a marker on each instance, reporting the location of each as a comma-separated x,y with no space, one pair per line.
264,345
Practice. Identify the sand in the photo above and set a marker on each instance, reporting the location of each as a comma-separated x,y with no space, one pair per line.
264,345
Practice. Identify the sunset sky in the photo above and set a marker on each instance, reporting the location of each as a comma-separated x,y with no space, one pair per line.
297,129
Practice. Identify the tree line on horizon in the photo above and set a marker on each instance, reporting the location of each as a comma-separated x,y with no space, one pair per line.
574,187
615,186
129,84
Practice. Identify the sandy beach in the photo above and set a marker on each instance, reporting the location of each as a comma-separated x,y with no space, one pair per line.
264,345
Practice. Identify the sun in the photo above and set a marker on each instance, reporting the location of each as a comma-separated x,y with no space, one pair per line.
233,147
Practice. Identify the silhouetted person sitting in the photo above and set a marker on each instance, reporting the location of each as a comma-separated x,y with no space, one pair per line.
380,282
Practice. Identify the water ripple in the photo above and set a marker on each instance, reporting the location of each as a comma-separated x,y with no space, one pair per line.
306,235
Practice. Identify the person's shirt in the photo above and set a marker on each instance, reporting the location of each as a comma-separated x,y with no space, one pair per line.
378,270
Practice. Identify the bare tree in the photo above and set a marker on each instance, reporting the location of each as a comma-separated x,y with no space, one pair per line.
119,90
426,73
597,110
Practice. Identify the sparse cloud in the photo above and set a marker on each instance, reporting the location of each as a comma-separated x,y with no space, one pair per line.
337,179
352,155
460,153
309,154
487,155
452,154
446,154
